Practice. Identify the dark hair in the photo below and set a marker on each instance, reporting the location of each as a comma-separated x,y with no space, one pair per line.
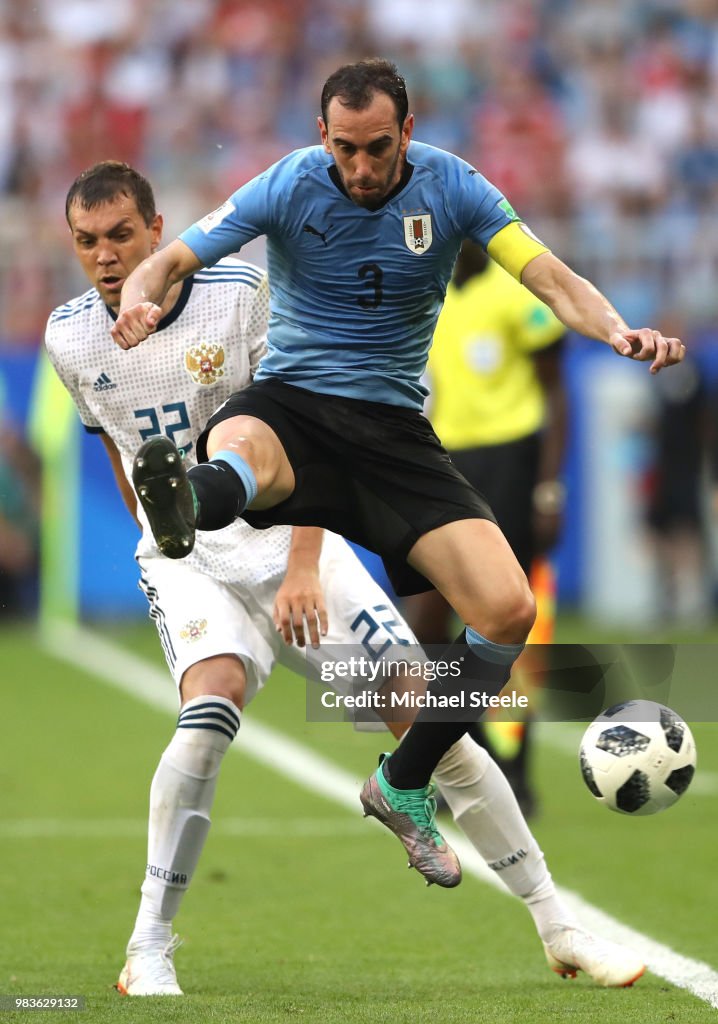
103,182
355,85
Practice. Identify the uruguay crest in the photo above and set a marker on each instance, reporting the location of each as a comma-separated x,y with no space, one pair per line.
205,363
417,232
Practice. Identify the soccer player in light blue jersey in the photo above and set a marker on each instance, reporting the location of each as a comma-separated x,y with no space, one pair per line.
362,233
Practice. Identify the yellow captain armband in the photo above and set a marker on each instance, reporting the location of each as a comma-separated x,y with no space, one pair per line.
513,247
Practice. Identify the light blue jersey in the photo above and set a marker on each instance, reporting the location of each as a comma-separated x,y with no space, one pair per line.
355,293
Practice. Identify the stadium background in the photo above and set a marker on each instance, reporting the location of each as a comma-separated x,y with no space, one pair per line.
600,121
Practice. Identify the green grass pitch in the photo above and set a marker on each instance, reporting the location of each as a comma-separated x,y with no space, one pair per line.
301,911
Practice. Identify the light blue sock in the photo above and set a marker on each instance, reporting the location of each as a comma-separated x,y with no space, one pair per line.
499,654
243,470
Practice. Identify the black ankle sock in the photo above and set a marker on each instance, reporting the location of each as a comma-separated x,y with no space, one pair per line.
220,494
414,760
434,731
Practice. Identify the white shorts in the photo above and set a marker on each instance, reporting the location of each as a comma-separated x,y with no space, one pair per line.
199,617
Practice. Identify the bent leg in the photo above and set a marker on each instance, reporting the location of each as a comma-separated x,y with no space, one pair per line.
256,444
247,467
222,675
429,616
472,565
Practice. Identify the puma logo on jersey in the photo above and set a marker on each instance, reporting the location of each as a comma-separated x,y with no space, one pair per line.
320,234
103,383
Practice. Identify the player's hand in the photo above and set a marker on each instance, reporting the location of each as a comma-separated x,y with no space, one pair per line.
135,324
299,608
645,344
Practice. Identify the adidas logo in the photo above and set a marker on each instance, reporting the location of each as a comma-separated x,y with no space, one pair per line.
103,383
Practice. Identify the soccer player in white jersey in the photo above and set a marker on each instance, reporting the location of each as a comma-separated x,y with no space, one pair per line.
217,611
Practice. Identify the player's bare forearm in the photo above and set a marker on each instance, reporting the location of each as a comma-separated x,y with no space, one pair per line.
300,600
575,301
305,548
145,290
582,308
123,485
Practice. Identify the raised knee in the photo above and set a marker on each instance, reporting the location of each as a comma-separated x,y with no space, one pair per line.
253,441
512,615
247,448
523,614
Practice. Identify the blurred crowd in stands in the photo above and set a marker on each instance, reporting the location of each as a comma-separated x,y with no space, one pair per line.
598,118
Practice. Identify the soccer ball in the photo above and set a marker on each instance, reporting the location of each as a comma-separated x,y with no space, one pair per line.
638,757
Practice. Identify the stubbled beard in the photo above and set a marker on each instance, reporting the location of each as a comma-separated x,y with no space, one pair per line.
368,204
375,202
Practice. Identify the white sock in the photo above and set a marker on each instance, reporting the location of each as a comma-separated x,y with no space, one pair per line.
484,806
181,798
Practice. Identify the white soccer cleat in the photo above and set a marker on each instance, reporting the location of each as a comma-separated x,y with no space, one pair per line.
150,972
604,962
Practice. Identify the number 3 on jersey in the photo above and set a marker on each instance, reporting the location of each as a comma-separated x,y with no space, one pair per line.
170,427
372,275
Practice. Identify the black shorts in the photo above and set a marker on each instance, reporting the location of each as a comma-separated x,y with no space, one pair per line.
676,498
374,473
506,475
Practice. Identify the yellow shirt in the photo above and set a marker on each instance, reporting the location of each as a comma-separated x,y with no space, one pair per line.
483,382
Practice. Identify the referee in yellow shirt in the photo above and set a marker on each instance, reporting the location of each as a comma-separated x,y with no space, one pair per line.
499,407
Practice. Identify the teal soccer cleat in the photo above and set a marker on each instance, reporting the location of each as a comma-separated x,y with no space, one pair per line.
410,815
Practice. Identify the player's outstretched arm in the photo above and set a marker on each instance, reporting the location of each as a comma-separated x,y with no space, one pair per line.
145,289
582,307
300,599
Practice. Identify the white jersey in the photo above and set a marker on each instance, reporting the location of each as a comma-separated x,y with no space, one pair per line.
220,598
205,349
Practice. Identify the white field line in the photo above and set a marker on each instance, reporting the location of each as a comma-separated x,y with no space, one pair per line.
104,660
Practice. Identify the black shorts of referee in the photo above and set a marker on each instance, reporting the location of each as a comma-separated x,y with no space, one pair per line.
506,475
